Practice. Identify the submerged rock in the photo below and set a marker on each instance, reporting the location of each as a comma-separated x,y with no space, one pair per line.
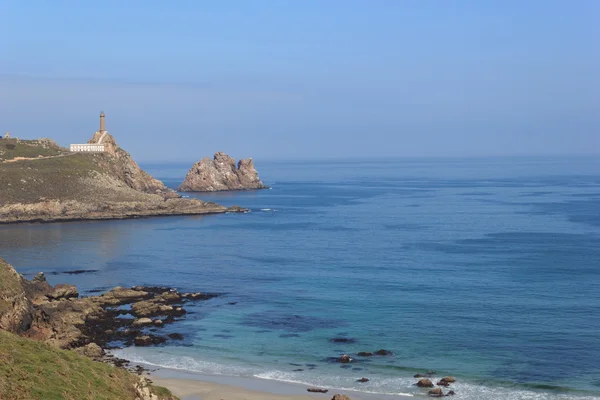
345,359
364,354
317,390
383,352
342,340
362,380
148,340
175,336
221,174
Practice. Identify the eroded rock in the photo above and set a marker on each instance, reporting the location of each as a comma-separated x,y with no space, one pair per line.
220,174
63,291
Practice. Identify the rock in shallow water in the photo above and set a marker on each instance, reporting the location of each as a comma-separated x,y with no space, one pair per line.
142,321
317,390
342,340
345,359
425,383
437,392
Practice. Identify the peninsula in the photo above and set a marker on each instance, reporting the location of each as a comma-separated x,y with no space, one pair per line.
43,182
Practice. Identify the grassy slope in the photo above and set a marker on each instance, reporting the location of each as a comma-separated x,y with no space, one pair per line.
23,149
29,180
33,370
63,178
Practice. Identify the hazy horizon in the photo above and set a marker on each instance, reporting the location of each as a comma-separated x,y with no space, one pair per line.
311,80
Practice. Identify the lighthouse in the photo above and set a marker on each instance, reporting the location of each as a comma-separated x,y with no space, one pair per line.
102,126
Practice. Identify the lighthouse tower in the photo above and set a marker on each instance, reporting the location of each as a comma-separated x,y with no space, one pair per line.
102,126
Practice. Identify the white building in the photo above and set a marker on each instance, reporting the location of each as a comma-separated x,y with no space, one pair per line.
97,148
92,147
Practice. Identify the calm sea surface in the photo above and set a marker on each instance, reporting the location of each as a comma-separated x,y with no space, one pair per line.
488,270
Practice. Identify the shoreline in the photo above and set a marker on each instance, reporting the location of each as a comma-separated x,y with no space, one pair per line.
115,217
190,385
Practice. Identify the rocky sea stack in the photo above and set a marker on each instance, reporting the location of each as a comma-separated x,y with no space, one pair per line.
221,174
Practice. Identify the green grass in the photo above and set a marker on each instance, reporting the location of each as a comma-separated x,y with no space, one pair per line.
31,370
54,178
11,148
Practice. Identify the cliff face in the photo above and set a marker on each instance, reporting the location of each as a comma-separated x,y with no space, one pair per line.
220,174
122,166
16,310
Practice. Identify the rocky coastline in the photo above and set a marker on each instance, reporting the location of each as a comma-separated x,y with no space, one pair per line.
120,317
56,185
221,174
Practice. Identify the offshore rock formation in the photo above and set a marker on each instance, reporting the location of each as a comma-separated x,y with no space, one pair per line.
59,186
220,174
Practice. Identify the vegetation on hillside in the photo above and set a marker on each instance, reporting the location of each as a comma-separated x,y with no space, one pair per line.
12,148
31,370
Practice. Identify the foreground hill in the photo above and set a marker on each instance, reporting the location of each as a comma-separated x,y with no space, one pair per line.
39,181
31,369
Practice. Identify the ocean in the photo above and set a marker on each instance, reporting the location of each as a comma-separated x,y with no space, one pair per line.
484,269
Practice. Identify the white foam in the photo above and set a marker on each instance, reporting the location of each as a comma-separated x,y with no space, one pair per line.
383,386
289,377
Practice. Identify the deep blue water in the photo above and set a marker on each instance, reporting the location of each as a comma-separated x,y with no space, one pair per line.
486,269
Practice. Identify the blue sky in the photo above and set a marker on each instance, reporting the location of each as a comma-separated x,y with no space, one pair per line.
306,79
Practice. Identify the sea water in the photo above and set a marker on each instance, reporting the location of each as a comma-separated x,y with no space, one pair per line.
484,269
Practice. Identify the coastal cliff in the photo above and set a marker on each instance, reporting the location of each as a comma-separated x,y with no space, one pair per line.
221,174
47,183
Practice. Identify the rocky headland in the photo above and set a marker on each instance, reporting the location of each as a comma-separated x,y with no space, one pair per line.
42,182
221,174
39,323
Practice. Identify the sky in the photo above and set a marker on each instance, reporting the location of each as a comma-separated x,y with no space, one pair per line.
306,79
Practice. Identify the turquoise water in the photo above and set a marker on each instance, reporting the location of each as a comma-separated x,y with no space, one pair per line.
488,270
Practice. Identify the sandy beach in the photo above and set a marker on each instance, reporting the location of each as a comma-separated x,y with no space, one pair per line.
188,389
192,386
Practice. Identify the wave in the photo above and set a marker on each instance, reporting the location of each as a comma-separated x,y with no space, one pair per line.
390,387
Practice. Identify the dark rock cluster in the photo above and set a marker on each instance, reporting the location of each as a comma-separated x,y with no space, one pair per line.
90,325
425,382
